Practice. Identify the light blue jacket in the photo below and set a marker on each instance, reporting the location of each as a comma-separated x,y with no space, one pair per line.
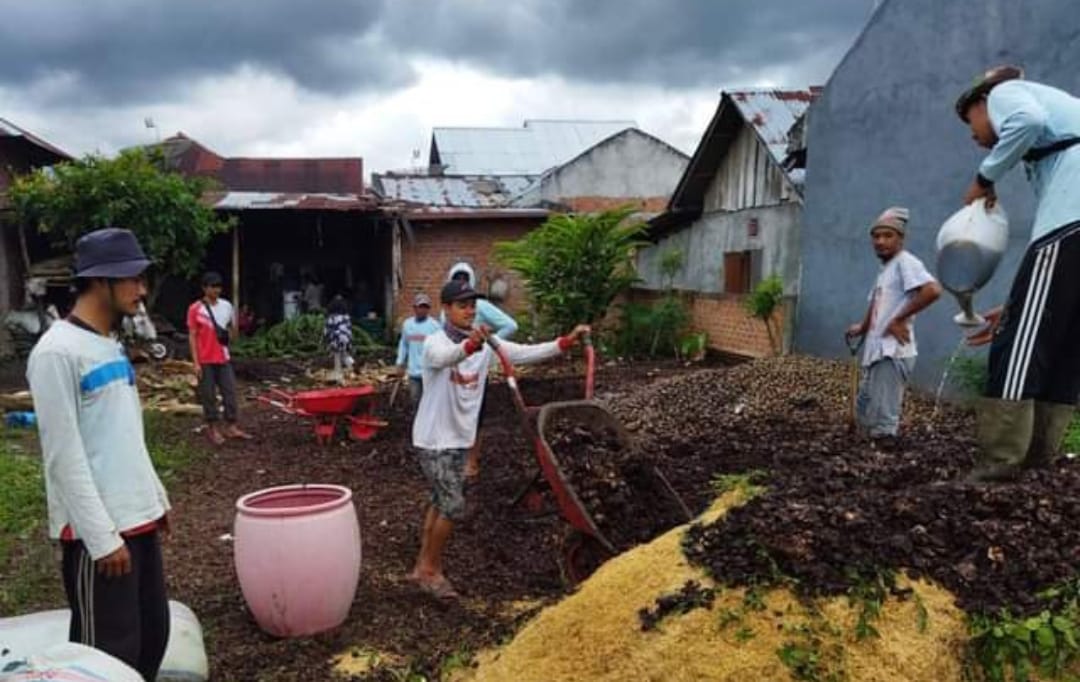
411,346
1025,116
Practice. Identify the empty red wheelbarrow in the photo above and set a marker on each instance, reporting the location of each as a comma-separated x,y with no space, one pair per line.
585,547
329,407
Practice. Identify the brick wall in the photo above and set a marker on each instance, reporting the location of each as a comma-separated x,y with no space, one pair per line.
725,321
595,204
439,244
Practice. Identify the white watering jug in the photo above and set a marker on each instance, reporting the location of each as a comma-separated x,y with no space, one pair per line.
970,245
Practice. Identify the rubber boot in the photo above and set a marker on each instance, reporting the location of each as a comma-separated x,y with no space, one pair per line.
1004,434
1051,421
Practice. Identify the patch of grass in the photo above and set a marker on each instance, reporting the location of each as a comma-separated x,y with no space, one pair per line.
169,453
1072,436
27,566
814,651
750,483
1008,647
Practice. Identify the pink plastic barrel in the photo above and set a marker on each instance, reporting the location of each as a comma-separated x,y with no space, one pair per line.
297,554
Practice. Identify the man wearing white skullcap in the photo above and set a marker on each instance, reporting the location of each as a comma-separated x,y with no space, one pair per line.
903,288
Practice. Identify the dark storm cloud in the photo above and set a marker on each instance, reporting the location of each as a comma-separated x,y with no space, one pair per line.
125,51
671,42
133,50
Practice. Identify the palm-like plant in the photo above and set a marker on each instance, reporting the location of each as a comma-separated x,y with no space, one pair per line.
575,265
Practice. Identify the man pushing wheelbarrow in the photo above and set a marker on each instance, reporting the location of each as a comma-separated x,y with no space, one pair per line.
456,363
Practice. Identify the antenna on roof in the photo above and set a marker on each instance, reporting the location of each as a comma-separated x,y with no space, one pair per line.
148,122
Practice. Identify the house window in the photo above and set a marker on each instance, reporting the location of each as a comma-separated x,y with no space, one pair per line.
742,270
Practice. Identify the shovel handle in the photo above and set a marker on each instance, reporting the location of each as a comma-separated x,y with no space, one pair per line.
590,367
854,343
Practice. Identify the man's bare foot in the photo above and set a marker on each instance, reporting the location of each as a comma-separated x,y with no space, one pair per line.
214,435
234,432
439,587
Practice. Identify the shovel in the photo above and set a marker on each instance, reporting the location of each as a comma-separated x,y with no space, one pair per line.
394,391
854,343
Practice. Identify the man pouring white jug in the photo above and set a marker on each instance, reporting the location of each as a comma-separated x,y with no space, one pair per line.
1034,373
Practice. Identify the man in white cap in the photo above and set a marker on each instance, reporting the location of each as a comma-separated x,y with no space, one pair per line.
903,288
1034,368
410,356
106,504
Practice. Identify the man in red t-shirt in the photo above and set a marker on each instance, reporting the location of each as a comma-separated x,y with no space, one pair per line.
209,322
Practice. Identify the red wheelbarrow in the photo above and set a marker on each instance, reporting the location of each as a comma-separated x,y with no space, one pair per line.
585,547
329,407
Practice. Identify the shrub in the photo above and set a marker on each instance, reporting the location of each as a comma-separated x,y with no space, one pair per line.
575,265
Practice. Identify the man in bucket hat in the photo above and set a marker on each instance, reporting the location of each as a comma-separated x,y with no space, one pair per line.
1034,368
903,288
106,504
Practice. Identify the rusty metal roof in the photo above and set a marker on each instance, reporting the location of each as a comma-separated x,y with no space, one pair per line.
773,113
299,201
486,191
529,150
422,213
10,130
314,175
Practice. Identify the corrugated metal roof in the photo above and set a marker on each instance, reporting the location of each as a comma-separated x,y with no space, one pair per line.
530,150
455,213
245,201
289,175
9,129
450,191
772,113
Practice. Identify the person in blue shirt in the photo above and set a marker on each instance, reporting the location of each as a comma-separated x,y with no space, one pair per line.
1034,368
410,357
502,325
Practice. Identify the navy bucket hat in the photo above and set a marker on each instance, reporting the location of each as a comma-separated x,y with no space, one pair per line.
112,252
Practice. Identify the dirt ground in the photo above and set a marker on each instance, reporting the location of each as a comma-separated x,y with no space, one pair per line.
504,559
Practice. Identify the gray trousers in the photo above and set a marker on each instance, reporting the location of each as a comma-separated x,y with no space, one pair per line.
218,377
881,395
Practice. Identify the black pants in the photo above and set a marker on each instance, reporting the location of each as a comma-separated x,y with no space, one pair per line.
216,377
127,617
1035,353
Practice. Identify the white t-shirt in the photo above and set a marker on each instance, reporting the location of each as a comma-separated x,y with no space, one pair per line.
223,312
454,385
894,288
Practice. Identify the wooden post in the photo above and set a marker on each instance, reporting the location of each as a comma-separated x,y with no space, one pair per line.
236,278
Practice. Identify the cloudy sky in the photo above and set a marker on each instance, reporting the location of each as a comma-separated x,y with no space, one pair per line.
371,77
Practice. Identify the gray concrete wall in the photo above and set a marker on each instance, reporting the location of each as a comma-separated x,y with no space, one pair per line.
884,132
705,242
631,165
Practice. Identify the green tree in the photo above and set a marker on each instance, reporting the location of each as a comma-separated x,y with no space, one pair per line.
575,265
163,209
763,302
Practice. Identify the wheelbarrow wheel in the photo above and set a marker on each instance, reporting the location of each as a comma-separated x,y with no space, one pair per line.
580,555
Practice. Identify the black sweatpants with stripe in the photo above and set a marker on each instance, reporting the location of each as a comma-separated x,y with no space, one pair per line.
1035,353
127,617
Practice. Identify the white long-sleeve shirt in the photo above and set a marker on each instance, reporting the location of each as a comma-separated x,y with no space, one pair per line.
454,384
1025,116
99,479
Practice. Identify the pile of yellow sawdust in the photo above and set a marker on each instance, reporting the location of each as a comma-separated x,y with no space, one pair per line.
595,634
